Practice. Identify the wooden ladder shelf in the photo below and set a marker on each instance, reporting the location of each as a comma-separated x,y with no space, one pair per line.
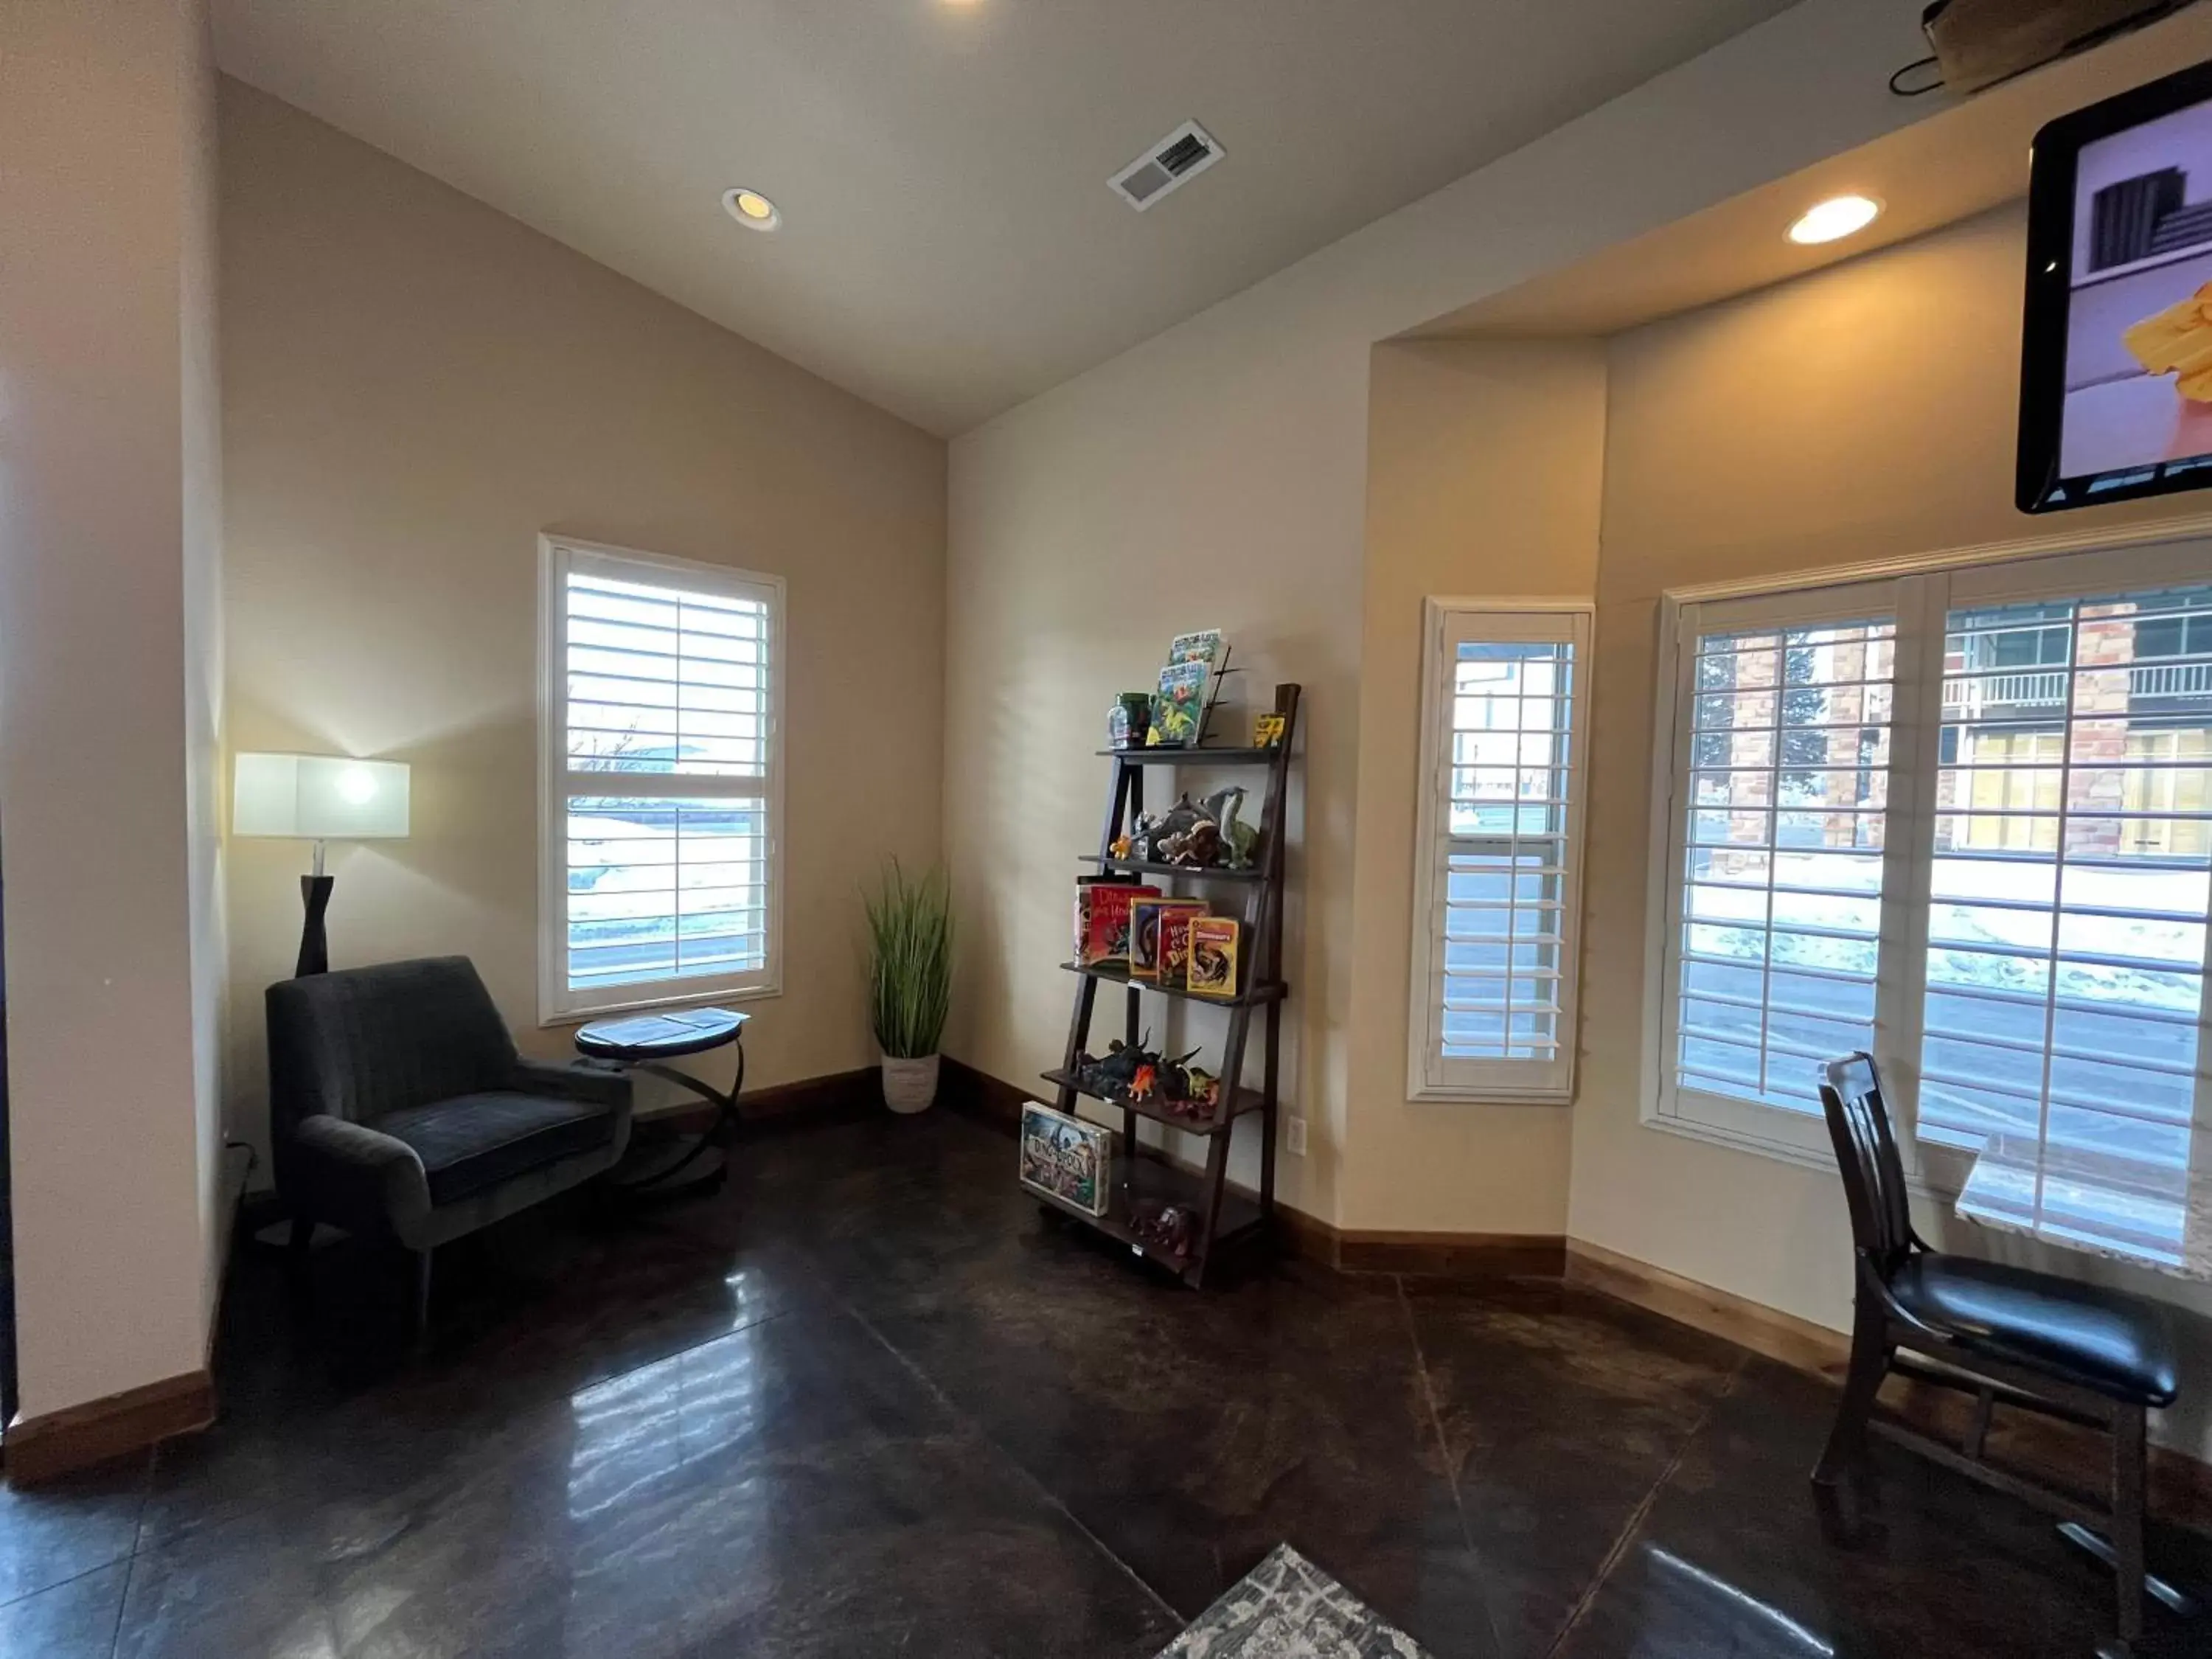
1144,1177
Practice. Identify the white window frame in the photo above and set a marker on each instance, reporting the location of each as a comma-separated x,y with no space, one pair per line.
1721,1116
557,1003
1445,624
1922,589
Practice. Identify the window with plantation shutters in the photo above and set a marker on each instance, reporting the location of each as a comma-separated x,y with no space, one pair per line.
1497,865
1783,810
2065,973
1961,819
662,780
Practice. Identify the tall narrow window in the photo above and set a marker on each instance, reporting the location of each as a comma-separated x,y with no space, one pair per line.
1498,869
2068,911
662,778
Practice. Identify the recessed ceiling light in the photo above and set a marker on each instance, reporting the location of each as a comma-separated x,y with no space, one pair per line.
750,209
1838,216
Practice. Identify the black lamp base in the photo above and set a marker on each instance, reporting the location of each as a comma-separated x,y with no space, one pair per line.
314,944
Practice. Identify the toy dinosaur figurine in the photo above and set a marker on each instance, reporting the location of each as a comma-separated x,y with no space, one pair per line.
1134,1071
1196,835
1165,1229
1238,840
1116,1072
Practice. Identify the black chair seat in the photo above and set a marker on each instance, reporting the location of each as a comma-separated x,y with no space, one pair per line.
2117,1344
474,1142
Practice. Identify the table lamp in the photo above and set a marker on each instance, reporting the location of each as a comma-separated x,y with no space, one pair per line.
318,798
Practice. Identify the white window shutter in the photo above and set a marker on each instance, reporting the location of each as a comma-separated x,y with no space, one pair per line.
1498,858
662,780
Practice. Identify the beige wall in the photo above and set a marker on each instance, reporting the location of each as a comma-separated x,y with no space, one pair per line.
1082,542
109,505
415,386
1483,477
1864,412
1216,476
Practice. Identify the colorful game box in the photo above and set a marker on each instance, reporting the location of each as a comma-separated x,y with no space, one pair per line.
1066,1158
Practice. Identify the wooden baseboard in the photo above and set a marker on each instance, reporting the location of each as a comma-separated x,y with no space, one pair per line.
811,1099
1794,1341
837,1094
1454,1255
1424,1255
40,1448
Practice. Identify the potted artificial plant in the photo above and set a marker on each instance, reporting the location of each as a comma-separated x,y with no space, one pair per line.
910,980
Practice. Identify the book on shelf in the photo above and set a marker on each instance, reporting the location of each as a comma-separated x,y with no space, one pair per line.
1174,971
1102,918
1212,967
1205,646
1147,927
1179,706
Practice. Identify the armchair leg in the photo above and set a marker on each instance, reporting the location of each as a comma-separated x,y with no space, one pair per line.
420,1331
2128,1519
1871,1352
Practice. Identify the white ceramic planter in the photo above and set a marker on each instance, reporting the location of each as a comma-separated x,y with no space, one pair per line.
909,1085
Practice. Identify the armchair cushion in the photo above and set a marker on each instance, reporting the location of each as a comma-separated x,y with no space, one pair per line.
474,1142
2118,1345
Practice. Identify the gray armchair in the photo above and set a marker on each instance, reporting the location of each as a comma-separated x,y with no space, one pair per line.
399,1109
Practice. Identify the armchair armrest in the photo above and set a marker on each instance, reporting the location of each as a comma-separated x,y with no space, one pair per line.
595,1081
359,1178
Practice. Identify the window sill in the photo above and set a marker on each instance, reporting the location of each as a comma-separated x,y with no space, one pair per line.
1939,1183
1442,1097
700,999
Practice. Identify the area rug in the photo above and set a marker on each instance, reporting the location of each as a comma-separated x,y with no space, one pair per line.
1288,1609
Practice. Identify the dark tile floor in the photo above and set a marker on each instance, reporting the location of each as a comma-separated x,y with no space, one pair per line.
867,1401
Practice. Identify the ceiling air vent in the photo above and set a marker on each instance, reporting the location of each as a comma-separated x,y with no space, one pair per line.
1175,161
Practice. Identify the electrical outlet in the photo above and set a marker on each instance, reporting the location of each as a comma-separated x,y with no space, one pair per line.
1294,1136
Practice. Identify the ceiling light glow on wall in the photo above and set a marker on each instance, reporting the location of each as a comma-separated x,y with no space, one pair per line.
1836,217
750,209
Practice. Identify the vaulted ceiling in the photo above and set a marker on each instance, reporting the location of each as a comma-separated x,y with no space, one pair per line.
949,246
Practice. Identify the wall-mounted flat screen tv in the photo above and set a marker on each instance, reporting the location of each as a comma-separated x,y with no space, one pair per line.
2116,373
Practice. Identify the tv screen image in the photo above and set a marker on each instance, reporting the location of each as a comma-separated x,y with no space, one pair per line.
2117,370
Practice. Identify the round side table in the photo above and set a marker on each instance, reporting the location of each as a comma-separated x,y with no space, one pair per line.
647,1043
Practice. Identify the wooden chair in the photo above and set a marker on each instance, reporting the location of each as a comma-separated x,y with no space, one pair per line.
2006,1335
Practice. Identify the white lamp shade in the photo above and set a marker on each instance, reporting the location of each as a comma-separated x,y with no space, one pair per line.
319,798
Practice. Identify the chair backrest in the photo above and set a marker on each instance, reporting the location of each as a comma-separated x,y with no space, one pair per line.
1866,1153
365,1042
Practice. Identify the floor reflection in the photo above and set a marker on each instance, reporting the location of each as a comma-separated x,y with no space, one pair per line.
647,1425
1690,1610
